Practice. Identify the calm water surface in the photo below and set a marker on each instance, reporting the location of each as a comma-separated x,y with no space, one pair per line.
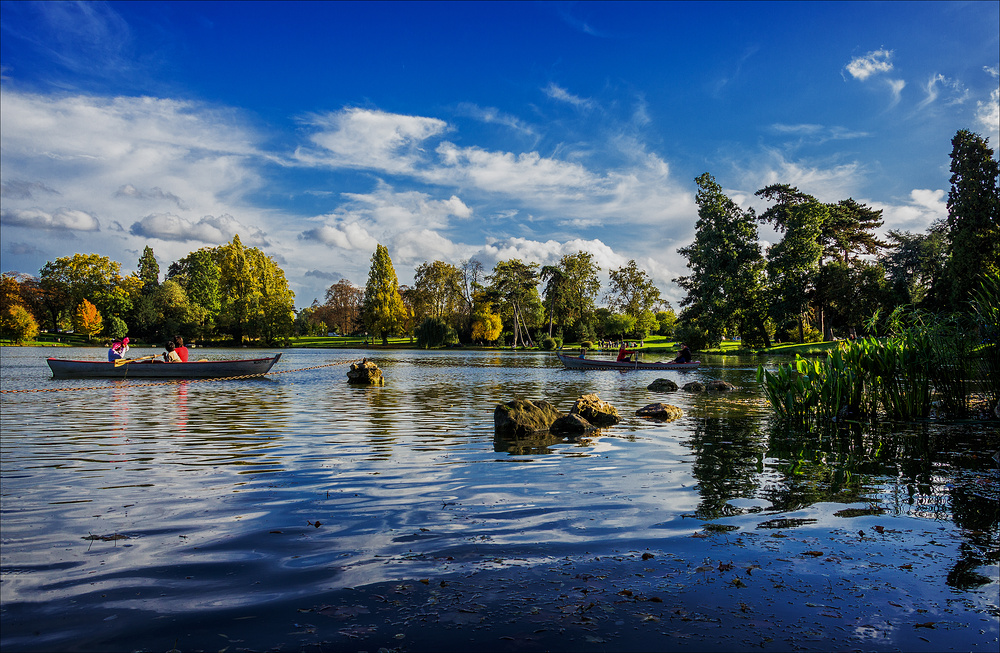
299,513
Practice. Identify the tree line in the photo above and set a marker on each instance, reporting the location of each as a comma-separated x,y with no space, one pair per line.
229,292
826,277
518,303
829,274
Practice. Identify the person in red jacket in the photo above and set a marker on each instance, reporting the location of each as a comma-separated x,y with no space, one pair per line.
624,353
181,350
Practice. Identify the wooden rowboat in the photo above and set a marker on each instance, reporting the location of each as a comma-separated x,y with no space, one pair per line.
576,363
147,369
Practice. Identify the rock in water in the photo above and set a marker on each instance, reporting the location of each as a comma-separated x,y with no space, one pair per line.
365,373
662,385
720,386
571,424
522,417
597,412
664,412
694,386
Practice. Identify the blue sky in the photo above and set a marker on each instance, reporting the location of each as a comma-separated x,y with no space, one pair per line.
447,131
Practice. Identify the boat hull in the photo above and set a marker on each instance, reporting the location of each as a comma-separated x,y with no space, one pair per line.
70,369
575,363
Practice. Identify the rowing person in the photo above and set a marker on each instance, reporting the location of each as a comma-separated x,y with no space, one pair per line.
684,356
623,353
118,349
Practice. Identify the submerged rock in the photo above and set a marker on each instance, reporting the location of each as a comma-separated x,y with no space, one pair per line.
523,416
365,373
662,385
664,412
720,386
694,386
571,424
597,412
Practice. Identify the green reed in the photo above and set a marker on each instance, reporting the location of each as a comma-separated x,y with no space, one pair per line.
926,360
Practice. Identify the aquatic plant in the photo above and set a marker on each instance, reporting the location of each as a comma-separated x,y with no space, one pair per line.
925,358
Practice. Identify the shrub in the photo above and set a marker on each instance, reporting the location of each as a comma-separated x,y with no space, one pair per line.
115,328
435,332
690,334
549,343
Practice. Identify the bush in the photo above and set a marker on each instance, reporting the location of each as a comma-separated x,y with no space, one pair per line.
435,332
115,328
691,335
549,343
586,344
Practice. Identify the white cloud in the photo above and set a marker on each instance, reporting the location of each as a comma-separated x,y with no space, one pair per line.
873,63
363,138
117,159
557,92
896,87
209,229
348,235
408,219
818,134
916,214
988,115
826,182
492,115
992,71
61,219
938,83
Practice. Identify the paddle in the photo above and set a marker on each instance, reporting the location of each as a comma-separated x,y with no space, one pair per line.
125,361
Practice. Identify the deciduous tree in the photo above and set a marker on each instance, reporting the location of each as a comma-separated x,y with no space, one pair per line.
632,291
17,324
87,319
342,310
514,289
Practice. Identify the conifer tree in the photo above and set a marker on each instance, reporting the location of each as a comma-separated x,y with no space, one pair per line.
383,310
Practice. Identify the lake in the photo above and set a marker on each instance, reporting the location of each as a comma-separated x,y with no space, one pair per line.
298,513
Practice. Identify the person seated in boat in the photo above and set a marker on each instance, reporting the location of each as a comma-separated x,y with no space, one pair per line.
181,350
684,356
624,354
118,349
170,356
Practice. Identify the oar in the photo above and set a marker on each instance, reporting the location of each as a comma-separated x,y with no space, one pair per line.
126,361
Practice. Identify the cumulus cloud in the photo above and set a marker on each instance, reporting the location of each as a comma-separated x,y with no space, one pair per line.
916,214
410,219
350,236
209,229
61,219
873,63
363,138
17,189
